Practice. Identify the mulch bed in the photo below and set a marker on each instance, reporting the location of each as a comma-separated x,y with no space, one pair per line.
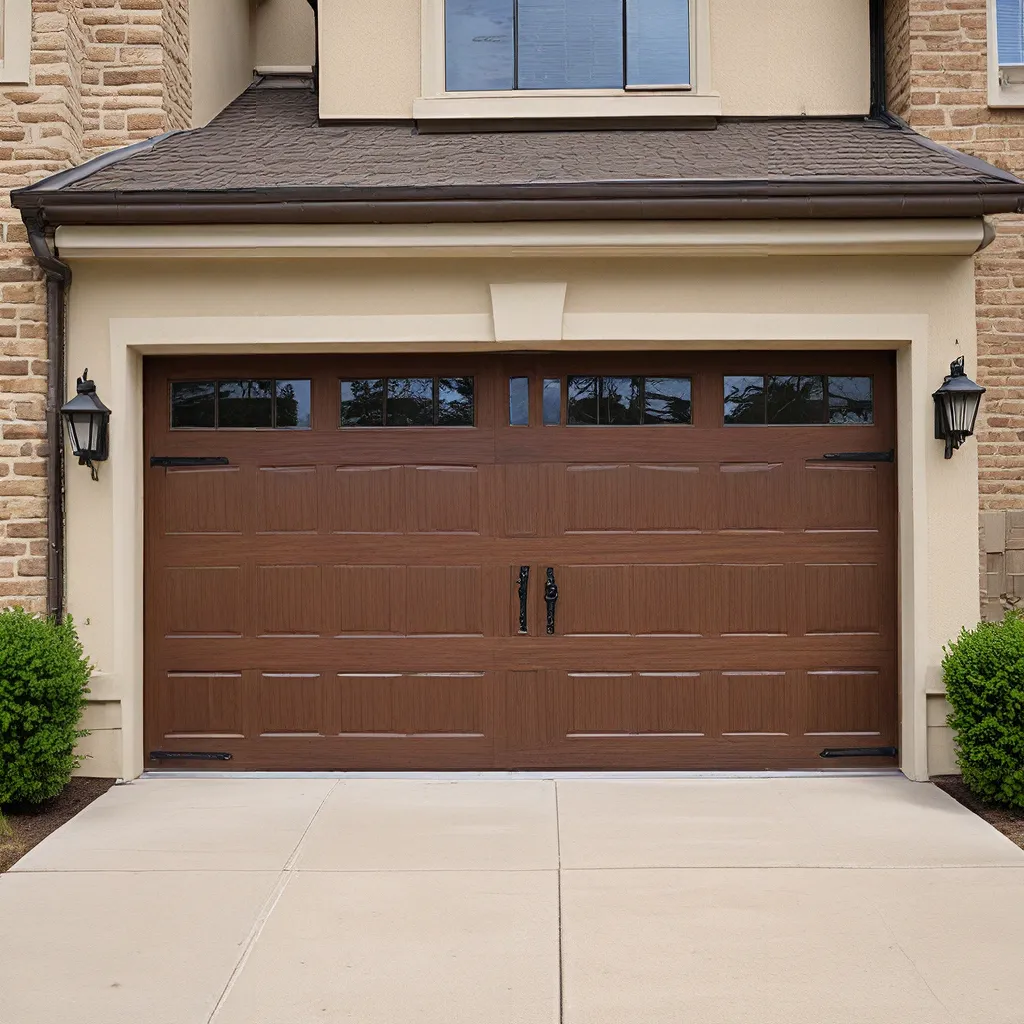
31,825
1010,823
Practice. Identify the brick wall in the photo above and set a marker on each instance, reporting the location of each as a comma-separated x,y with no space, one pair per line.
938,79
104,73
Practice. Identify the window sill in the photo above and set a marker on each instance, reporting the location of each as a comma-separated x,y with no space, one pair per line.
567,106
1008,94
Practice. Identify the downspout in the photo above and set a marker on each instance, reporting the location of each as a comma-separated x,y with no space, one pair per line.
876,31
58,280
316,45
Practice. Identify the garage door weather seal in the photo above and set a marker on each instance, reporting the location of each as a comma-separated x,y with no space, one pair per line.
555,776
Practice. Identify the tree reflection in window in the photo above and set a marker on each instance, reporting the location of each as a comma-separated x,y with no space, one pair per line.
628,401
795,400
798,400
455,402
292,405
241,404
407,402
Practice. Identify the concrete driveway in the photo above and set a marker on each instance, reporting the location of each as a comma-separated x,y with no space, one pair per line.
295,901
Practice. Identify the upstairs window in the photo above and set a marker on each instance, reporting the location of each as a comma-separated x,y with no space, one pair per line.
1010,33
503,45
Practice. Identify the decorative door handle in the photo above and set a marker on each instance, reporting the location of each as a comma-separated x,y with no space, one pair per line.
551,598
524,586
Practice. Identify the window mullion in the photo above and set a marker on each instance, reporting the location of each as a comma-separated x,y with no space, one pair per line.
625,45
515,44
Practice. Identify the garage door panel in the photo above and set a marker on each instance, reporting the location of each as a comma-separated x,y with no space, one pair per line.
442,499
623,498
598,499
444,600
594,600
203,600
754,496
755,703
287,499
367,600
203,501
640,704
187,705
847,702
669,498
533,710
291,704
289,600
441,704
843,599
365,499
668,600
749,600
840,497
522,498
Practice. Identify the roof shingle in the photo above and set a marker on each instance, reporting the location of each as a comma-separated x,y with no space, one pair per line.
270,138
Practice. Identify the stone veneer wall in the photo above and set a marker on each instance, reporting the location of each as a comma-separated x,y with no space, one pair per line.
937,54
104,73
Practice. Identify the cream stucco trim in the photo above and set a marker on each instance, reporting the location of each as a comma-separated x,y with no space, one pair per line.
910,237
132,338
528,310
284,69
698,100
198,334
17,41
564,104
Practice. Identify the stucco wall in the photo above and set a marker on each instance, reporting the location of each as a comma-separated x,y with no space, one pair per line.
786,57
221,55
283,34
938,498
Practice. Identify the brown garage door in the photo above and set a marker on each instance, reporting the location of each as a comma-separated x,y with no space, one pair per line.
359,579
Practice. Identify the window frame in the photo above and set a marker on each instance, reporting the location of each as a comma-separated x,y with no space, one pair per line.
824,377
217,427
1005,84
696,100
17,41
391,427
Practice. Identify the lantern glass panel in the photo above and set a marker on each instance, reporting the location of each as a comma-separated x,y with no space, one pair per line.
958,413
83,426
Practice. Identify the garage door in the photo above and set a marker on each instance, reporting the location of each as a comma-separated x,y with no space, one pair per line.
584,561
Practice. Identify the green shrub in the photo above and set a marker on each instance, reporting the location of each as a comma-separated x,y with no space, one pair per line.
43,682
984,673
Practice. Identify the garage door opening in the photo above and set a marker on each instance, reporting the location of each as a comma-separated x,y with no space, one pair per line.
588,560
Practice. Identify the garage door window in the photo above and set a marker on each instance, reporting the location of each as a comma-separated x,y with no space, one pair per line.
813,400
407,402
625,401
214,404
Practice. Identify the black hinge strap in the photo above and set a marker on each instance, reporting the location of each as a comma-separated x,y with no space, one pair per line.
889,456
859,752
189,755
188,460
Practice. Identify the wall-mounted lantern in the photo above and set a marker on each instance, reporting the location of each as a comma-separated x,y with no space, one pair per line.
87,418
956,407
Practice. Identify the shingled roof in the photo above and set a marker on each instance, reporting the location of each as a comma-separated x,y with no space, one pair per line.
267,157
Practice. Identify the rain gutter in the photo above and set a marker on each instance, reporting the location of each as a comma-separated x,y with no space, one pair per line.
637,201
